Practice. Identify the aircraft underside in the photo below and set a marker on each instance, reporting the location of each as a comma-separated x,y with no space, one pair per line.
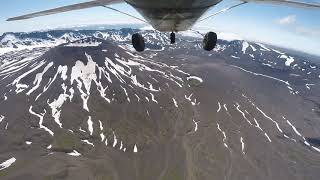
172,16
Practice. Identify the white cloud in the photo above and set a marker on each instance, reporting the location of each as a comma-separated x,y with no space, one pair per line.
291,19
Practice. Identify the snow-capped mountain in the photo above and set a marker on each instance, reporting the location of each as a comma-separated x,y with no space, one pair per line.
85,105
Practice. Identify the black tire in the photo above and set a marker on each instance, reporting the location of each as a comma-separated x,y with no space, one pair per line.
172,38
138,42
209,41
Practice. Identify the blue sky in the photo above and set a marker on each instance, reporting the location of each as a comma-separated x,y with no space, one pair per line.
288,27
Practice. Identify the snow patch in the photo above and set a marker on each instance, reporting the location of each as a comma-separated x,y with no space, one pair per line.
1,118
245,45
7,163
90,125
74,153
289,59
135,148
196,78
88,142
40,116
175,102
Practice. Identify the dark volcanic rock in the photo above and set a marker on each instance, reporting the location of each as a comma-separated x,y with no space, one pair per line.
84,105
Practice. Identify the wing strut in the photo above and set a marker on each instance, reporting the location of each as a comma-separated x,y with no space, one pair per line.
223,10
292,3
125,13
90,4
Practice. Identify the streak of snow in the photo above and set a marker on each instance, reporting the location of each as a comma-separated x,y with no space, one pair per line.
235,57
243,114
219,107
266,64
289,59
196,78
182,72
259,127
1,118
70,131
135,149
87,142
299,134
225,107
266,116
100,125
195,125
242,145
22,87
253,48
263,47
308,86
84,75
153,99
188,97
138,98
121,145
294,128
175,102
57,104
74,153
90,125
80,129
224,135
61,70
49,147
7,163
115,140
267,137
38,78
257,74
5,97
102,136
41,120
125,91
106,142
245,45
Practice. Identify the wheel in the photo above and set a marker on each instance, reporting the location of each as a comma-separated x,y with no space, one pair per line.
209,41
138,42
172,38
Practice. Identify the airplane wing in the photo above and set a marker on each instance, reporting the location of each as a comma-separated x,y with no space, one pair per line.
84,5
294,3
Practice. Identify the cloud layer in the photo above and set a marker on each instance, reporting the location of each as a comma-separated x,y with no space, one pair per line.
291,19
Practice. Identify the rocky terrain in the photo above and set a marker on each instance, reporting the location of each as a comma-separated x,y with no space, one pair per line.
85,105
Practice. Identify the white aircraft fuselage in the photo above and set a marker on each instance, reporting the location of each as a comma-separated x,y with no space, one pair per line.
170,15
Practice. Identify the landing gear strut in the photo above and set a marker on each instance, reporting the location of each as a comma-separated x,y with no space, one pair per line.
172,38
138,42
209,41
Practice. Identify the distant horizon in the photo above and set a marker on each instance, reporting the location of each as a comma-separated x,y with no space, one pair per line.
289,27
142,25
